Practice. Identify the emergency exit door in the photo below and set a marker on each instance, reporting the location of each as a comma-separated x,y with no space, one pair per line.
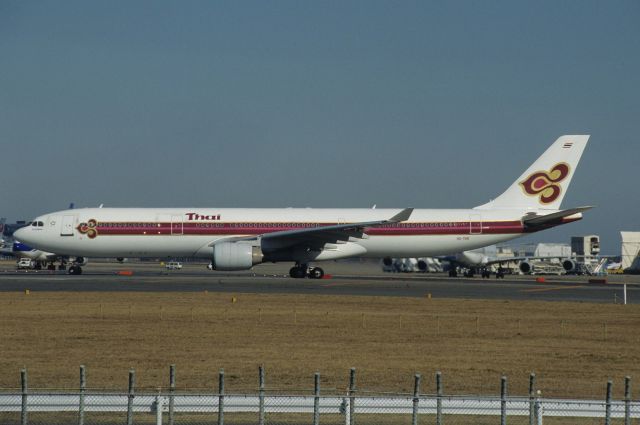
66,228
475,224
176,225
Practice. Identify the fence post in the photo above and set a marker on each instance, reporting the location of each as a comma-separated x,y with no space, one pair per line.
23,384
439,392
538,409
532,395
416,399
352,396
627,400
221,397
83,387
503,400
607,416
172,390
159,408
132,388
316,399
347,410
261,395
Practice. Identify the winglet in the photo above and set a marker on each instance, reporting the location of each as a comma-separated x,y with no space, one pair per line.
401,216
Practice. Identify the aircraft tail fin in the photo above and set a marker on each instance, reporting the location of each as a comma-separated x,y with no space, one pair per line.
546,181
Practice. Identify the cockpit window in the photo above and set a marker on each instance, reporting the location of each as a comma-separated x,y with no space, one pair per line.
40,224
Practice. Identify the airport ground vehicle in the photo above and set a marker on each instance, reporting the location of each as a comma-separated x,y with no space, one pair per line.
25,263
173,265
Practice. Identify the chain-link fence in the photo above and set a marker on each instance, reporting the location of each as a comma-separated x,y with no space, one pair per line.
95,408
268,407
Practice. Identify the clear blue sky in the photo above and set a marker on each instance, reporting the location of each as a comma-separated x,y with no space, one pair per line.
324,104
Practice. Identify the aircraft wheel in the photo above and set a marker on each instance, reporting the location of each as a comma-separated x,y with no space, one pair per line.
75,270
297,272
316,273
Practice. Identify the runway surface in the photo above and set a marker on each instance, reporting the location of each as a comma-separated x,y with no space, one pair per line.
350,279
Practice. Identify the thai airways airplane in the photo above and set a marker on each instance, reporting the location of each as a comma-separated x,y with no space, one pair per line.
238,239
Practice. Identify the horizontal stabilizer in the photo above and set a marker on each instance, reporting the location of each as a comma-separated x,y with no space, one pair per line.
531,220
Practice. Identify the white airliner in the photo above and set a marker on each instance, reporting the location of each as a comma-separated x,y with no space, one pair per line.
475,261
237,239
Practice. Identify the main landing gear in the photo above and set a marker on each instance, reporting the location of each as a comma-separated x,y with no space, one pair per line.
75,269
300,271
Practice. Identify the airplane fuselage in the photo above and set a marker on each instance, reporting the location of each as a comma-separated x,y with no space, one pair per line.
191,232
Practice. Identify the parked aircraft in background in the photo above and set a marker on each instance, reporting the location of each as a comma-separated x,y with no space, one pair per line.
411,265
2,241
42,259
478,262
237,239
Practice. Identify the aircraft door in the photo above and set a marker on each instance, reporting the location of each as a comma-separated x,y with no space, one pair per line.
176,225
67,225
475,224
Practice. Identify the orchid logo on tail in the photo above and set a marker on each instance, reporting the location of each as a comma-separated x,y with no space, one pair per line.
545,184
89,228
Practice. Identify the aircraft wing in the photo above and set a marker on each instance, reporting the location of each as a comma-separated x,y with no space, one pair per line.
318,236
535,220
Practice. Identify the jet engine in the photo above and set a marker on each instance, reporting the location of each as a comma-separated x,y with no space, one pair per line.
422,265
525,267
241,255
568,265
81,261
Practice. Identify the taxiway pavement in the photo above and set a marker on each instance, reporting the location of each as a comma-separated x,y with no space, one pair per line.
349,279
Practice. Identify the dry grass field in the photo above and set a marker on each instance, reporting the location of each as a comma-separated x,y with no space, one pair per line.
573,347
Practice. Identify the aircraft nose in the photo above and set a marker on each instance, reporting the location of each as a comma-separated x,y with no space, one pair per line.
24,235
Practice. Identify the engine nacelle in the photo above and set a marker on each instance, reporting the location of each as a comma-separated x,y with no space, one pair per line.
81,261
387,261
568,265
422,265
525,267
471,258
241,255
